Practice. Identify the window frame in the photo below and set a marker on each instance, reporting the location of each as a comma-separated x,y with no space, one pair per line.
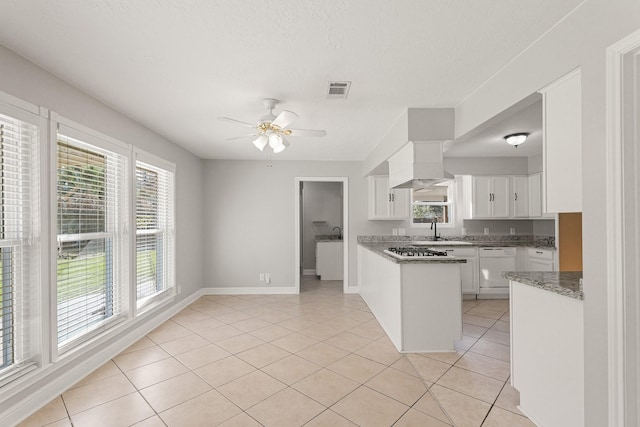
451,204
28,247
121,246
154,163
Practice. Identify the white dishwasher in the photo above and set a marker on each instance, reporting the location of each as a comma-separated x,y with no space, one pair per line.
493,261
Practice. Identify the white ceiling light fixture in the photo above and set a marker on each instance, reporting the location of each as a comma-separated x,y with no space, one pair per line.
272,130
260,142
516,139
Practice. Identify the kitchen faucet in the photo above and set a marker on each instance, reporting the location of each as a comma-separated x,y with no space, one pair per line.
339,231
434,227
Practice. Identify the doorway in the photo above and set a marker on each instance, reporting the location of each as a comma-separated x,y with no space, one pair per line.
321,210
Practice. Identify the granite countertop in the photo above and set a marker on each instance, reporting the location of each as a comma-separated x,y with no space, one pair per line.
379,247
565,283
477,241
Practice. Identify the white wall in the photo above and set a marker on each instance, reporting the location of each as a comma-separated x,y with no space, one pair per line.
535,163
580,40
321,201
249,219
25,80
486,165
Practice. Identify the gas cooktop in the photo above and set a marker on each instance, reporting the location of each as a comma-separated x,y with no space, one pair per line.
413,252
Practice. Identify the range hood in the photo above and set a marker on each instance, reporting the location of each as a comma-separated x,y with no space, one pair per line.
418,165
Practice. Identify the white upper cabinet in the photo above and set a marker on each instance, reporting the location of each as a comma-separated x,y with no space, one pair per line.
491,196
520,196
562,144
386,203
535,195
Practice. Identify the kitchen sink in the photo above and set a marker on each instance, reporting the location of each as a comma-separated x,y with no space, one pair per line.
440,243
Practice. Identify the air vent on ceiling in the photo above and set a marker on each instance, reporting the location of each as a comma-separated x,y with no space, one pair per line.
338,89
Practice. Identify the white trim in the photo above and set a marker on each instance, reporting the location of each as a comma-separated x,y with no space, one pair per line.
153,160
615,230
561,80
84,364
85,134
13,101
345,227
251,290
309,272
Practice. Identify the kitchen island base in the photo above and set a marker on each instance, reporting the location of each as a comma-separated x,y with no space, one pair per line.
547,359
419,305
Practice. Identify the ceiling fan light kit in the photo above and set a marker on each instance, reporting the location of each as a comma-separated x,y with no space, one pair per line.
260,142
516,139
272,129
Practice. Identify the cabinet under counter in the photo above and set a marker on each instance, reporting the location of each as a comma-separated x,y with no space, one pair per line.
547,346
417,303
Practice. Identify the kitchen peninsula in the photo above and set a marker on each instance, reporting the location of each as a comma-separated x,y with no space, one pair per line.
416,301
547,341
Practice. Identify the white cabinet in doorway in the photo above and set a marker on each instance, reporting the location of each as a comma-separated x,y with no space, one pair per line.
329,260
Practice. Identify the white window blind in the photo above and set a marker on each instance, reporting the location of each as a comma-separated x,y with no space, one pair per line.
19,260
91,211
154,231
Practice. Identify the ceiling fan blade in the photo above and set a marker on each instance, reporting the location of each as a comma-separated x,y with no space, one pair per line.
240,137
284,119
229,119
306,132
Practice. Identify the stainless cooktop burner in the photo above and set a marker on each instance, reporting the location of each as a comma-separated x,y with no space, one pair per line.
414,252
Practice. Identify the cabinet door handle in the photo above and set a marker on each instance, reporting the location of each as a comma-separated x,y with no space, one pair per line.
393,197
539,252
516,196
489,196
389,196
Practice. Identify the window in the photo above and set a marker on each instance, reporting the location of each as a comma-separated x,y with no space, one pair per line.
19,260
154,232
92,248
434,204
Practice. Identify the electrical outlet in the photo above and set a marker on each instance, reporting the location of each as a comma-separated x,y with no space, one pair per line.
262,277
267,277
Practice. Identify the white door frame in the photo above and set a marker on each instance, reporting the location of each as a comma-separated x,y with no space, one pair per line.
623,336
345,225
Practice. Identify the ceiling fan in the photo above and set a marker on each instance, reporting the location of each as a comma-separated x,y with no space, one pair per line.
272,129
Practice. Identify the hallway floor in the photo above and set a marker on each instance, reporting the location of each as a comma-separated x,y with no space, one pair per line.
315,359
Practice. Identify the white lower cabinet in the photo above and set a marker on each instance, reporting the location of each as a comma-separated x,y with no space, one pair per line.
417,304
547,355
468,271
329,260
540,259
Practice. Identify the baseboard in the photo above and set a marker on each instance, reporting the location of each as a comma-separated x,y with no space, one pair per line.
352,290
251,290
309,272
83,364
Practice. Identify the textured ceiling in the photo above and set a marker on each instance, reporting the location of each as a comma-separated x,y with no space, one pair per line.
174,65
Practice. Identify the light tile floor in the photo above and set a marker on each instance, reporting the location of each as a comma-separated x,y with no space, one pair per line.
315,359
